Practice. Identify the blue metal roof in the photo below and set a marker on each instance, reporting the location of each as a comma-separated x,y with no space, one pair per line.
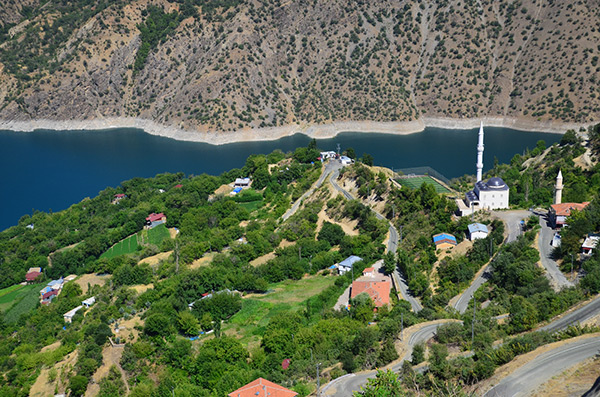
349,261
444,236
477,227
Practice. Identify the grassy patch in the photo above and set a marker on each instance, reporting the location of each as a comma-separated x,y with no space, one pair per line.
252,205
250,322
132,243
10,289
417,181
19,301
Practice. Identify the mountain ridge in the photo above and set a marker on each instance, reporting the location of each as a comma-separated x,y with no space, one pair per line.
250,65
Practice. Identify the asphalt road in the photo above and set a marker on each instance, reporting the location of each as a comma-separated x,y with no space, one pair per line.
331,165
392,246
576,316
344,386
462,303
557,278
512,223
527,378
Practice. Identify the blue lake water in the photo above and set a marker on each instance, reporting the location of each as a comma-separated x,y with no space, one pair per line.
50,170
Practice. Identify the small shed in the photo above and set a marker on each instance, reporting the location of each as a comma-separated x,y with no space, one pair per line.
444,240
89,301
477,230
589,244
347,264
70,314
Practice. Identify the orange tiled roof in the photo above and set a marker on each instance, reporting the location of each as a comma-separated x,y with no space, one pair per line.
564,209
262,388
378,290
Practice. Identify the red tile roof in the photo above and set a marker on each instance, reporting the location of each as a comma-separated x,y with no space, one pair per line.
32,276
119,195
378,290
262,388
49,294
564,209
155,217
178,186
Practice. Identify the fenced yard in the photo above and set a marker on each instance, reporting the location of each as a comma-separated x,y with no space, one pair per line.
415,182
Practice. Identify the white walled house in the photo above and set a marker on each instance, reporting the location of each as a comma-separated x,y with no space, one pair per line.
477,231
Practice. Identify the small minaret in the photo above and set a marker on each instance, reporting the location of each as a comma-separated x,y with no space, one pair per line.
480,153
558,188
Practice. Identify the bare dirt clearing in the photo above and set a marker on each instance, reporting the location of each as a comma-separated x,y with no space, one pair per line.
90,280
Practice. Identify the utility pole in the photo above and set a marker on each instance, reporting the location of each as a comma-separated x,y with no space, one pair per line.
318,381
401,325
571,267
176,257
338,149
473,322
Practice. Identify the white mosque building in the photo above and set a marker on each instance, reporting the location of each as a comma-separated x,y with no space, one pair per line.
490,195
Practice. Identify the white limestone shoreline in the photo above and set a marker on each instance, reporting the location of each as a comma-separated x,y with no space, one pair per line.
318,131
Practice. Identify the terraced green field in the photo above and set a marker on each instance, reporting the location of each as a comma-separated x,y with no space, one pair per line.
132,243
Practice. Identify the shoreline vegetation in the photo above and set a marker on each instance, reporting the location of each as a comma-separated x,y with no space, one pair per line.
321,131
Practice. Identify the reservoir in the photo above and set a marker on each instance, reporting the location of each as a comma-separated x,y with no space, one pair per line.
50,170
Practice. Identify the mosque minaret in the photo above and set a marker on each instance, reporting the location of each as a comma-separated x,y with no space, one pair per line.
480,153
490,195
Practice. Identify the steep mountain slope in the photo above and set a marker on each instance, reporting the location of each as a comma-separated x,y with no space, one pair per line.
232,64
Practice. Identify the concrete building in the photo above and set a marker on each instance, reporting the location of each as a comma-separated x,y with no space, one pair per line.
347,264
477,230
590,243
70,314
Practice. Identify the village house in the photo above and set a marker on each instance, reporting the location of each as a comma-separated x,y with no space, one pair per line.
345,160
444,241
154,220
559,212
377,287
477,231
244,183
32,274
347,264
327,155
262,388
118,197
589,244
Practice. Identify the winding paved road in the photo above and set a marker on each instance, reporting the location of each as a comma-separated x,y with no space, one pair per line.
557,278
392,246
512,223
579,315
527,378
330,166
345,385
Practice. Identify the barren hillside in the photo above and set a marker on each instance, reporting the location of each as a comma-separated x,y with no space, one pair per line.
225,65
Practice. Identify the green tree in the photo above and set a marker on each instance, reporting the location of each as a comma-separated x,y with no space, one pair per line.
112,384
188,323
389,263
78,385
385,384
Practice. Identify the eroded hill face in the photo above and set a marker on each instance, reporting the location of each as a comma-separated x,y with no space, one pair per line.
231,64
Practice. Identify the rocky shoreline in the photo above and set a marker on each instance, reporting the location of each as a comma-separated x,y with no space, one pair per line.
321,131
